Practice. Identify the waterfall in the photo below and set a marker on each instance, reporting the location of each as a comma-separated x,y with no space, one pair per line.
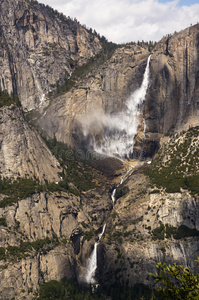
113,196
92,261
117,140
101,234
92,266
121,128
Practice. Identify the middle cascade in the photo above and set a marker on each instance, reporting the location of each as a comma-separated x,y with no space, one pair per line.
120,129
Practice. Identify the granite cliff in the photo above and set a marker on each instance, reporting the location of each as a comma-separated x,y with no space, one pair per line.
39,49
56,194
171,102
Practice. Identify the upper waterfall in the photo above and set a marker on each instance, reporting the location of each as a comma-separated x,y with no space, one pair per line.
121,128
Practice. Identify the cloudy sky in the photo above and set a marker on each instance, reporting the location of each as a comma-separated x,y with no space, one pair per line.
122,21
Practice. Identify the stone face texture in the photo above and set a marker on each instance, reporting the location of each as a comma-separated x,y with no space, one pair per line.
37,49
58,217
104,90
171,101
132,248
22,151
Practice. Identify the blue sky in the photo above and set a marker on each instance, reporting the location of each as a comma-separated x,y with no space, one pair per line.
188,2
183,2
124,21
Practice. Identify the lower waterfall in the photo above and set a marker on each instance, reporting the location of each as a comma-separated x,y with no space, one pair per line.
92,266
92,261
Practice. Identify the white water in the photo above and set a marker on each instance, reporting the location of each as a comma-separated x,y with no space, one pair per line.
101,234
113,196
92,261
127,174
118,140
91,266
120,129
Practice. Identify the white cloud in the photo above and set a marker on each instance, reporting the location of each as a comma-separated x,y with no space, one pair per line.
123,21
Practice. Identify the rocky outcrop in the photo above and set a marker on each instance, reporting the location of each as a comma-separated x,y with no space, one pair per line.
22,151
39,50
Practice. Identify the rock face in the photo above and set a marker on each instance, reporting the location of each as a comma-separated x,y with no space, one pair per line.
130,249
40,217
172,100
103,91
53,225
23,152
39,49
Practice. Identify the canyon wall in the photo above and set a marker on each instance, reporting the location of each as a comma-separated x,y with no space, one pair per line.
39,49
171,101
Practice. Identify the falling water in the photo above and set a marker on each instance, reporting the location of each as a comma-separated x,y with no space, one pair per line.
120,129
127,174
118,140
113,196
92,266
92,261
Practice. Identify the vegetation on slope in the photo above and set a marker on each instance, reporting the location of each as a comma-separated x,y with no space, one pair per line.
177,163
26,248
169,231
7,100
20,188
76,177
75,167
81,71
65,289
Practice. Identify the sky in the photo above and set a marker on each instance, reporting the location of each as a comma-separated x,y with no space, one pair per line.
122,21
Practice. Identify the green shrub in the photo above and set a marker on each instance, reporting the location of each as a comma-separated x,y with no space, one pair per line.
3,222
184,231
20,188
65,289
2,253
26,248
170,230
52,290
175,282
88,235
158,233
7,100
122,190
177,233
75,169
